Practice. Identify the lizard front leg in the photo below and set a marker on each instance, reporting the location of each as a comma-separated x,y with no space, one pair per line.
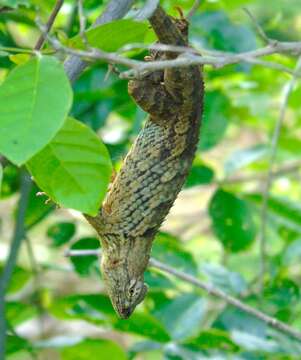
152,97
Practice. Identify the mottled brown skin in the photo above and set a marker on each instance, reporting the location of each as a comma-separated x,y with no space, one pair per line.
153,171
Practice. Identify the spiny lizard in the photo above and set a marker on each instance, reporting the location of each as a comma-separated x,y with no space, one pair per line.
153,171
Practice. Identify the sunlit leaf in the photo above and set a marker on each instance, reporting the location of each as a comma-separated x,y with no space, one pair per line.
144,325
89,349
35,99
113,35
74,169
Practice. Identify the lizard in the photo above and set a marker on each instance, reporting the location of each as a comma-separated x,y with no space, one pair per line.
154,169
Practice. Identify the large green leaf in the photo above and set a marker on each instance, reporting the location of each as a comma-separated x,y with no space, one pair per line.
35,99
74,169
232,221
113,35
94,349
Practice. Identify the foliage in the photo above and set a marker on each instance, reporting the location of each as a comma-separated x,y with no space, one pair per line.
212,231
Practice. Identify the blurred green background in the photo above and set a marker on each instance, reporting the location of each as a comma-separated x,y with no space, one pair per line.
57,307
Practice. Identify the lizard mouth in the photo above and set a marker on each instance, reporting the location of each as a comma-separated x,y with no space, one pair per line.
125,313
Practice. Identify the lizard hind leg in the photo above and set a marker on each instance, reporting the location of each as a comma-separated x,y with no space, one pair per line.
152,97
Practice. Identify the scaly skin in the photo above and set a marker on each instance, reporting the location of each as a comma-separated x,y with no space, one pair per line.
153,171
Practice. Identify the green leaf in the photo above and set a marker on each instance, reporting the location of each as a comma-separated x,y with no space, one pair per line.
19,278
74,169
94,349
17,312
36,209
85,265
95,308
61,232
182,316
213,338
36,98
15,344
282,292
232,221
144,325
199,175
14,3
1,176
10,181
244,157
215,119
168,249
113,35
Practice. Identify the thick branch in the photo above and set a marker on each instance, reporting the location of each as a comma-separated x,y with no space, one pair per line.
210,289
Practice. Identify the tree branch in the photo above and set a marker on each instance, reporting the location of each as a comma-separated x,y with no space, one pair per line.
188,57
49,24
269,179
13,254
210,289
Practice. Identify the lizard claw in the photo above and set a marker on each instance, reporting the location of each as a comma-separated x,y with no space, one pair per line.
180,11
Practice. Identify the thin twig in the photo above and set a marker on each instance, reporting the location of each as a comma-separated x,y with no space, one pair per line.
258,28
49,24
194,8
269,179
13,255
210,289
218,60
82,22
283,170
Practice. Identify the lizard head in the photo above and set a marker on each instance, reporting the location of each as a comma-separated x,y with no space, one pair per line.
124,281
